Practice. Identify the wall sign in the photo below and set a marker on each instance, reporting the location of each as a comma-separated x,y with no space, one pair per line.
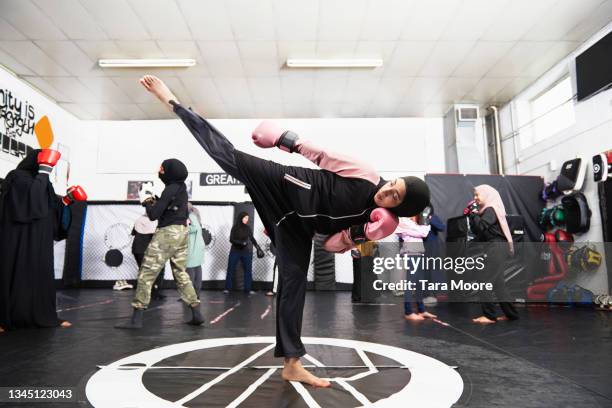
218,179
17,118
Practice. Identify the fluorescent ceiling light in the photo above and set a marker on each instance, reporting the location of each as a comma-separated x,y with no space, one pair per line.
334,62
146,63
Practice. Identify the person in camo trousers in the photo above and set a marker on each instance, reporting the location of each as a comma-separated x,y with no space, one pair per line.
170,242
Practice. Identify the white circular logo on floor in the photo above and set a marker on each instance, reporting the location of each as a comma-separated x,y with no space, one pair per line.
428,382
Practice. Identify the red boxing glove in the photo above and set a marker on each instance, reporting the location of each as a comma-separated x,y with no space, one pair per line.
268,134
382,224
47,159
74,193
471,208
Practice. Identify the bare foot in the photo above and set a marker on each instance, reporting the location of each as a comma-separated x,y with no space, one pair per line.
428,315
502,319
65,324
1,329
294,371
157,87
414,317
483,320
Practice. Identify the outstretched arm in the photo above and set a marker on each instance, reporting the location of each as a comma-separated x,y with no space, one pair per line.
269,134
340,164
214,142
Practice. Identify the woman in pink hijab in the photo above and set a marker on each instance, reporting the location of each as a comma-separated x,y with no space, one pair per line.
488,223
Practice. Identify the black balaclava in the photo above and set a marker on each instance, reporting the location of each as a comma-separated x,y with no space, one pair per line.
30,162
416,198
174,171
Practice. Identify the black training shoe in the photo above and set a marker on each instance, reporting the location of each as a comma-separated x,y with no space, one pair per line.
135,321
196,318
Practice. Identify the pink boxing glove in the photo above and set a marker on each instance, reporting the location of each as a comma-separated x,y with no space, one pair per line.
268,134
382,224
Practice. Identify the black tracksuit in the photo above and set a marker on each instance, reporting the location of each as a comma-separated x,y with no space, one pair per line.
293,203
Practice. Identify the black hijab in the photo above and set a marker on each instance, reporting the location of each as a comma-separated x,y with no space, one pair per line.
416,198
17,202
30,162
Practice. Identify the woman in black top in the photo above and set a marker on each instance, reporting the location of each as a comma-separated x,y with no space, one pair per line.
240,237
345,199
488,222
169,242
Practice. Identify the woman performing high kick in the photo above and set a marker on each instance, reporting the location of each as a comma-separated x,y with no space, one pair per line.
344,199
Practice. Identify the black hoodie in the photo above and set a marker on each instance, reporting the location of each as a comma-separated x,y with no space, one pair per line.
171,208
241,234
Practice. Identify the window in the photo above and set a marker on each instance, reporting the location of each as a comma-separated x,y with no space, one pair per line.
553,110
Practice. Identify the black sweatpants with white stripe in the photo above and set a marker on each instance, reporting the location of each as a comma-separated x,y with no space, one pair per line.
292,237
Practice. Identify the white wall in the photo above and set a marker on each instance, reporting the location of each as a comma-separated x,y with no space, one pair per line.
133,150
590,134
66,128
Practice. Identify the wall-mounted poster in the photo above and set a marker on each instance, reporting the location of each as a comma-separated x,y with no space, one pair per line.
19,124
134,186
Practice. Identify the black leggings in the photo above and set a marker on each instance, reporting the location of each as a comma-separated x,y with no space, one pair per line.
292,239
496,256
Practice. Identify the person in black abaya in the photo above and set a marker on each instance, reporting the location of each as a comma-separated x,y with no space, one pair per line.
31,218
